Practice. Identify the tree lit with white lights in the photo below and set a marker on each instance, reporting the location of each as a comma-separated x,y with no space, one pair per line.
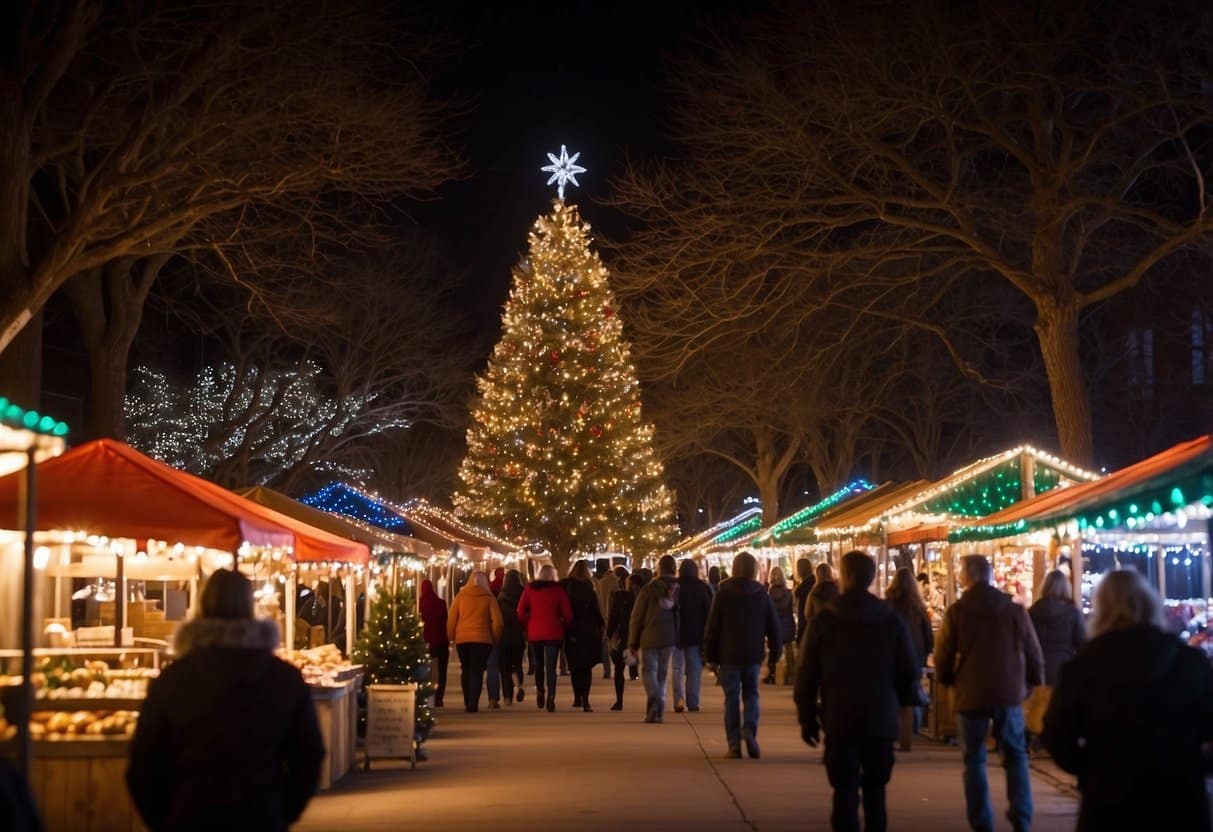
558,449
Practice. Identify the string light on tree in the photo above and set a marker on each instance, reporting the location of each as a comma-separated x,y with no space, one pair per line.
558,449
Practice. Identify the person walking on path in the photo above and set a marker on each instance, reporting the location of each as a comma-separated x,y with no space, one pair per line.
902,595
804,585
785,613
606,585
653,632
545,612
620,616
498,581
713,578
227,736
694,600
988,653
860,660
741,617
474,625
513,638
583,639
825,590
433,630
1129,715
1060,631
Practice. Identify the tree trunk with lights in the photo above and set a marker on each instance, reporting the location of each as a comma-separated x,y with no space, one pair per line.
558,450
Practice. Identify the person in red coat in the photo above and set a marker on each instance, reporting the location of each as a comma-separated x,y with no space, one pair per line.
497,582
433,630
545,612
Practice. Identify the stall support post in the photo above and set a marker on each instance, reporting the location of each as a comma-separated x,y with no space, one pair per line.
120,599
1076,569
1205,577
292,594
1160,557
351,607
27,504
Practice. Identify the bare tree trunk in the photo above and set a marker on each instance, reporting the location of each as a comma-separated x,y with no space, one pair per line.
108,304
1057,332
770,466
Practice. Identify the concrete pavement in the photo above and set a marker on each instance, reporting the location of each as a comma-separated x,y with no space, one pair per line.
524,769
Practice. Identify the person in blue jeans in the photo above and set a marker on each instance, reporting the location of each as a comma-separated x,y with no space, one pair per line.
694,601
740,620
653,633
988,653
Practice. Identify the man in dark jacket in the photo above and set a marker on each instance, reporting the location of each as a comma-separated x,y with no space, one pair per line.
741,616
804,585
858,657
653,631
988,652
227,737
694,599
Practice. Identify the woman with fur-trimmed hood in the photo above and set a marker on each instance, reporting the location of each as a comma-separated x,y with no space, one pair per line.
227,737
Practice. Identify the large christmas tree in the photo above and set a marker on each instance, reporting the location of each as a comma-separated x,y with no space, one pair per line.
558,450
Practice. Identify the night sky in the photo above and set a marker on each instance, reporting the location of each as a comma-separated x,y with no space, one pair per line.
588,75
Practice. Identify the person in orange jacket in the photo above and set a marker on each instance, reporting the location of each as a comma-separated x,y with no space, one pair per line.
474,624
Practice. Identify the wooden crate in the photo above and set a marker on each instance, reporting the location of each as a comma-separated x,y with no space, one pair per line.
80,786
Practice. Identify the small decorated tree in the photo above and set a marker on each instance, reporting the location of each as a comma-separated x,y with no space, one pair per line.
393,652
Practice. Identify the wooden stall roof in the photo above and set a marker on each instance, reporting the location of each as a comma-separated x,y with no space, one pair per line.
1186,461
107,488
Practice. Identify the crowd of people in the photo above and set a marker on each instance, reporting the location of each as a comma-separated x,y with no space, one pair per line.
1118,700
1127,710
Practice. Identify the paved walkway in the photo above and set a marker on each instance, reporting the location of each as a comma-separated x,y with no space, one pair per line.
524,769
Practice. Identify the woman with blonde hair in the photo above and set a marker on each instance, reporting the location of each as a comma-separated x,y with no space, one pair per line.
1061,634
785,613
1129,715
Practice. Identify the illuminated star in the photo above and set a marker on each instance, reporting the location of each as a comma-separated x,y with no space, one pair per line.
563,169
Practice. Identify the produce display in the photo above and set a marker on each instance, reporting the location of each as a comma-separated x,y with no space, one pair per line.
322,665
80,725
61,679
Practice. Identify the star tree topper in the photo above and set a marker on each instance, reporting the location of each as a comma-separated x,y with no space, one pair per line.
563,169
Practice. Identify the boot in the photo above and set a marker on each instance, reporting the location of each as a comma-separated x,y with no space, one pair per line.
494,705
521,693
551,703
577,700
585,705
618,706
539,698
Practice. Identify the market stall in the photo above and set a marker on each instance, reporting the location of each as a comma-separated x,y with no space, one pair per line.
459,547
740,526
1152,516
114,508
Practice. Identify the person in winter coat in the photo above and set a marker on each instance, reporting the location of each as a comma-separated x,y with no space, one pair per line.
804,585
1060,631
713,578
433,630
694,600
1129,715
545,612
653,632
859,659
740,618
902,595
227,736
606,585
825,590
474,625
620,616
583,639
498,581
784,602
513,637
988,653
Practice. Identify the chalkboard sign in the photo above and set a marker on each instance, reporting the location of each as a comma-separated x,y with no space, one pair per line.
390,712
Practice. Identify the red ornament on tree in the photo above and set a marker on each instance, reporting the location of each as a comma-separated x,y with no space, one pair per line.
554,356
607,312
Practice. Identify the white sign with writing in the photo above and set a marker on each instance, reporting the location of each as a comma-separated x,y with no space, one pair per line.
389,721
